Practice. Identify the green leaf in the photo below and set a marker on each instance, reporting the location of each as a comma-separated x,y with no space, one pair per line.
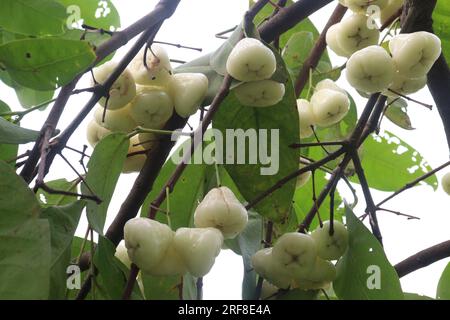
186,194
443,288
441,26
298,48
48,200
46,63
29,98
218,58
31,17
398,115
104,169
24,257
7,151
17,202
98,14
297,294
364,273
390,163
13,134
283,118
161,288
63,223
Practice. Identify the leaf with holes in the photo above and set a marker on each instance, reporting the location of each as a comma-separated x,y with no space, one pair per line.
364,273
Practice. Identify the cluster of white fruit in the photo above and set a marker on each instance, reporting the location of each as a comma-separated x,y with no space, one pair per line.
144,95
159,251
302,261
328,105
254,64
387,8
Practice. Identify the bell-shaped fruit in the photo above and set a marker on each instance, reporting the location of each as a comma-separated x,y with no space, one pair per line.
320,276
415,53
306,118
331,246
221,209
172,264
151,108
264,93
115,120
136,157
329,106
445,182
263,263
405,86
198,248
354,34
147,242
304,177
158,71
370,70
251,60
95,132
188,91
296,252
122,254
328,84
123,89
331,39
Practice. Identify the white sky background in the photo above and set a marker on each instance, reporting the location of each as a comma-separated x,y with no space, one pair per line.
194,24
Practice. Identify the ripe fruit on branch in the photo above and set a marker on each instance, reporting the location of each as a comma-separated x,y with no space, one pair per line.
331,247
171,264
415,53
123,89
370,70
352,34
158,71
264,264
198,248
320,277
122,254
147,242
136,156
445,182
304,177
95,132
306,118
115,120
188,91
151,108
262,93
296,252
329,106
251,60
221,209
404,85
328,84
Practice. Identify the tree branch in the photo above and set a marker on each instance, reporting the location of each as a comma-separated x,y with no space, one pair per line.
423,258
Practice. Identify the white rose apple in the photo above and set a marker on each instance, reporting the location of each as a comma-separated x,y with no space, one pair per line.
263,263
264,93
328,84
188,91
123,89
95,132
370,70
415,53
147,242
331,247
306,118
296,252
304,177
445,182
122,254
158,71
331,39
361,6
198,247
405,86
251,60
329,106
115,120
221,209
171,264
